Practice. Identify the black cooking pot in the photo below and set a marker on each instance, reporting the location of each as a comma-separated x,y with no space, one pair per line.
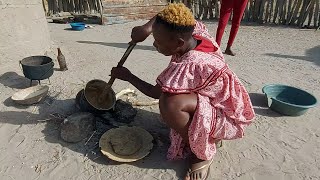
37,67
85,106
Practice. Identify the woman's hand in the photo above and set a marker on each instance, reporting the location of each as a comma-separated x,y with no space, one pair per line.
121,73
139,33
146,88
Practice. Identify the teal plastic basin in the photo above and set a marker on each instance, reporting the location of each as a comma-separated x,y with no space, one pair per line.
288,100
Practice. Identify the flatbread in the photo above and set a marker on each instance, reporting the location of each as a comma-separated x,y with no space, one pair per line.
126,144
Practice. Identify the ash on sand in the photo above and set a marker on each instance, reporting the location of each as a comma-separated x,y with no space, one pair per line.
77,127
81,125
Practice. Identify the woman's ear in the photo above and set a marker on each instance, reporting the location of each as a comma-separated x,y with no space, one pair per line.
181,42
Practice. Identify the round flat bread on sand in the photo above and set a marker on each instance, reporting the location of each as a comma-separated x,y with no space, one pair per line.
126,144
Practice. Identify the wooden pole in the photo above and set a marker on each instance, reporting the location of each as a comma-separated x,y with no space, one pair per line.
275,16
205,9
290,10
305,13
211,9
60,5
271,10
91,6
256,10
266,15
101,11
295,13
283,11
72,6
65,6
217,9
86,6
316,15
200,8
261,9
302,12
312,4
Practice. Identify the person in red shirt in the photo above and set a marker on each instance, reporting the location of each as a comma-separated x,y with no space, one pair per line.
237,7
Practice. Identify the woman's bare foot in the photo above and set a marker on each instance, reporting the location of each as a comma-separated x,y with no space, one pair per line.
199,169
229,51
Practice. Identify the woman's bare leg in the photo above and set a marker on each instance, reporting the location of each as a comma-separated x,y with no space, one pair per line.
177,112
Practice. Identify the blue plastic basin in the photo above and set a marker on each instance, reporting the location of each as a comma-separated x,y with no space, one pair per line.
288,100
78,26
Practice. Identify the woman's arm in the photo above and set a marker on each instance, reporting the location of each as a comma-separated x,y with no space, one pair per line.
150,90
124,74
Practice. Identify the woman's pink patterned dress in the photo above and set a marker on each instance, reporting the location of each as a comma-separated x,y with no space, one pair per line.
224,108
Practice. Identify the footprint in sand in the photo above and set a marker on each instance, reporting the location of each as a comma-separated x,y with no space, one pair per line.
160,175
166,176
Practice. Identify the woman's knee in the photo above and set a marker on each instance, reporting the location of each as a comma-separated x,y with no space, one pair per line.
178,102
177,111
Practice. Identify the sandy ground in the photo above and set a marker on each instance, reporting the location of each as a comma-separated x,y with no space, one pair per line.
275,147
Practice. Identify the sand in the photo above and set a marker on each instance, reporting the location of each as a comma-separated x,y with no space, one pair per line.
274,147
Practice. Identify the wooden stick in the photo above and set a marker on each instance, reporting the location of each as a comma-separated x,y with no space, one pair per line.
60,5
101,11
312,4
85,6
217,9
91,6
246,13
275,16
49,7
65,6
145,103
122,61
295,13
251,9
73,6
200,9
306,12
266,16
316,14
90,137
256,10
263,2
211,9
44,7
69,6
76,5
290,11
271,10
303,11
124,92
197,9
112,79
283,11
55,6
79,6
95,5
206,9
